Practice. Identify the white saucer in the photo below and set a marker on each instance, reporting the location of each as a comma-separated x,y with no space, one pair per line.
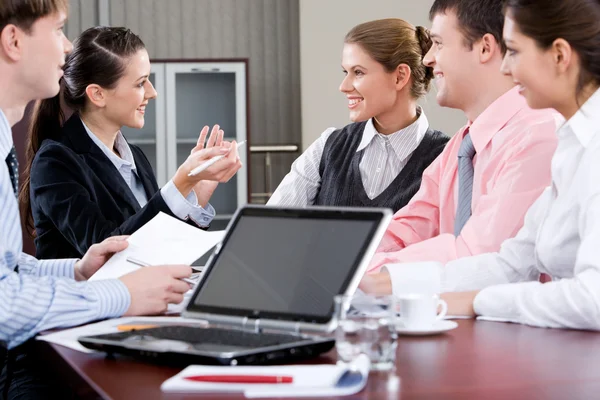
437,327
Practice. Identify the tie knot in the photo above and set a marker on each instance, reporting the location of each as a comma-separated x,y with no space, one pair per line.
466,147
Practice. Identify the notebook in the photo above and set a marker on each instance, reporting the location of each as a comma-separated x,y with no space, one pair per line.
267,290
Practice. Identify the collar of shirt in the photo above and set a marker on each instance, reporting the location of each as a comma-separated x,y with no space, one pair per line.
122,147
404,142
493,118
6,140
584,124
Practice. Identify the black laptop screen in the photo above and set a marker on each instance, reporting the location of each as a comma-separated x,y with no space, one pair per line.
287,265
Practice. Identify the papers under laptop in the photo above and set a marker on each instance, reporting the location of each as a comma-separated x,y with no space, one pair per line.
268,289
163,240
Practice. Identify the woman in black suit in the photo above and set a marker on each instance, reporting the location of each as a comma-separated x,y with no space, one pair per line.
84,182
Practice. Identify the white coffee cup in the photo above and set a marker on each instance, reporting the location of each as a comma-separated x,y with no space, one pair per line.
420,310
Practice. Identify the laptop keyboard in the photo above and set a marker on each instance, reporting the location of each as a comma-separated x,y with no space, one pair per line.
231,337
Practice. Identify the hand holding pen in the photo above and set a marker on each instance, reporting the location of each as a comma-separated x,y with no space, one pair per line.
141,263
152,289
219,171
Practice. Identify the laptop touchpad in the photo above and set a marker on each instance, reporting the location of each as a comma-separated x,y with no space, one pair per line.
157,344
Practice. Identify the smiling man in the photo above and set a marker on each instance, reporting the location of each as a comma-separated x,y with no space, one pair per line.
475,195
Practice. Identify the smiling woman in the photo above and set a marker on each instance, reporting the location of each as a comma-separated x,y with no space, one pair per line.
378,160
83,181
533,49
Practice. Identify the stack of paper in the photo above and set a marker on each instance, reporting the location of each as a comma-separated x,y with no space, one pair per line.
163,240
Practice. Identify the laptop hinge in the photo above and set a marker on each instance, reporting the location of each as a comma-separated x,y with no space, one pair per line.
255,326
252,326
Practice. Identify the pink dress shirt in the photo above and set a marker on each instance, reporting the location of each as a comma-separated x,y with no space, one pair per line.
514,145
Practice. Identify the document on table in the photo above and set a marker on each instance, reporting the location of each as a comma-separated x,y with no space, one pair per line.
326,380
163,240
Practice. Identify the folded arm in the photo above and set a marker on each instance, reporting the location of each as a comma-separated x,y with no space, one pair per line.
566,303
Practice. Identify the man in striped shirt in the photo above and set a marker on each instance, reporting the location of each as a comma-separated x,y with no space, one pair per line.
39,295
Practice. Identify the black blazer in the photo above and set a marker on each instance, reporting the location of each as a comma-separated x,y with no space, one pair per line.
79,198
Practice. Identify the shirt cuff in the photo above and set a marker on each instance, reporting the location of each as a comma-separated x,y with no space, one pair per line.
113,297
186,207
64,268
500,301
423,277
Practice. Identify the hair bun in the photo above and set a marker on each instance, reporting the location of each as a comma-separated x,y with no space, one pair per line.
425,42
424,39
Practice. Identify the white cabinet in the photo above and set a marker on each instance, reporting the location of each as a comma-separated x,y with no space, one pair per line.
191,95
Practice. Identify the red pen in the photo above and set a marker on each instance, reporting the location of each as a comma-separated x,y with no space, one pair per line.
240,378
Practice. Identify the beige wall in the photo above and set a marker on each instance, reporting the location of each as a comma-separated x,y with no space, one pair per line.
323,24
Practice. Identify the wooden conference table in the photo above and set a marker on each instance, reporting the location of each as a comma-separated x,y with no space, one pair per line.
478,360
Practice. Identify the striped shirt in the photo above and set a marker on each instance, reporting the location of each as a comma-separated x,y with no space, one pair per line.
384,157
44,294
182,207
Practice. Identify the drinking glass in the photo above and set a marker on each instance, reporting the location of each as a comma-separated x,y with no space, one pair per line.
366,324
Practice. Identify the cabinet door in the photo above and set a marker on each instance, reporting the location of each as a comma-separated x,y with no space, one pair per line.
202,94
152,137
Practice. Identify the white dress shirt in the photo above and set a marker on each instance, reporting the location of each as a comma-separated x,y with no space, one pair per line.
182,207
561,237
384,158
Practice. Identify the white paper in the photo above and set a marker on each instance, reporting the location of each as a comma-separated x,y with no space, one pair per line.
309,380
163,240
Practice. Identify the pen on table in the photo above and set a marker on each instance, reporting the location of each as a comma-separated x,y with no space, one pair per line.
240,378
135,327
210,162
145,264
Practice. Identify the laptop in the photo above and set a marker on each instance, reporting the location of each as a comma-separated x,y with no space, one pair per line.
267,291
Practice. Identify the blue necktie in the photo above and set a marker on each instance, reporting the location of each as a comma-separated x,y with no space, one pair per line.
13,169
466,152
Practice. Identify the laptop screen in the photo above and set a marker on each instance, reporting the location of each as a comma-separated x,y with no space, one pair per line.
285,264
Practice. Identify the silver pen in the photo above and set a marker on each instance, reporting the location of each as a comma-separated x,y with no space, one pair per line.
145,264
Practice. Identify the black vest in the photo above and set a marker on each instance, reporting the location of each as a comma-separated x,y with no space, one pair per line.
341,183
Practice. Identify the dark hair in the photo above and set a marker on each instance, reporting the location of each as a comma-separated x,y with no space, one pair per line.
475,18
576,21
99,57
23,13
392,42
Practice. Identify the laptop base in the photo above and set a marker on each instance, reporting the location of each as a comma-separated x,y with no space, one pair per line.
150,345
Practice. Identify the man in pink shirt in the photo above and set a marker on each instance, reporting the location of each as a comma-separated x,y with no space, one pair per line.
471,206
